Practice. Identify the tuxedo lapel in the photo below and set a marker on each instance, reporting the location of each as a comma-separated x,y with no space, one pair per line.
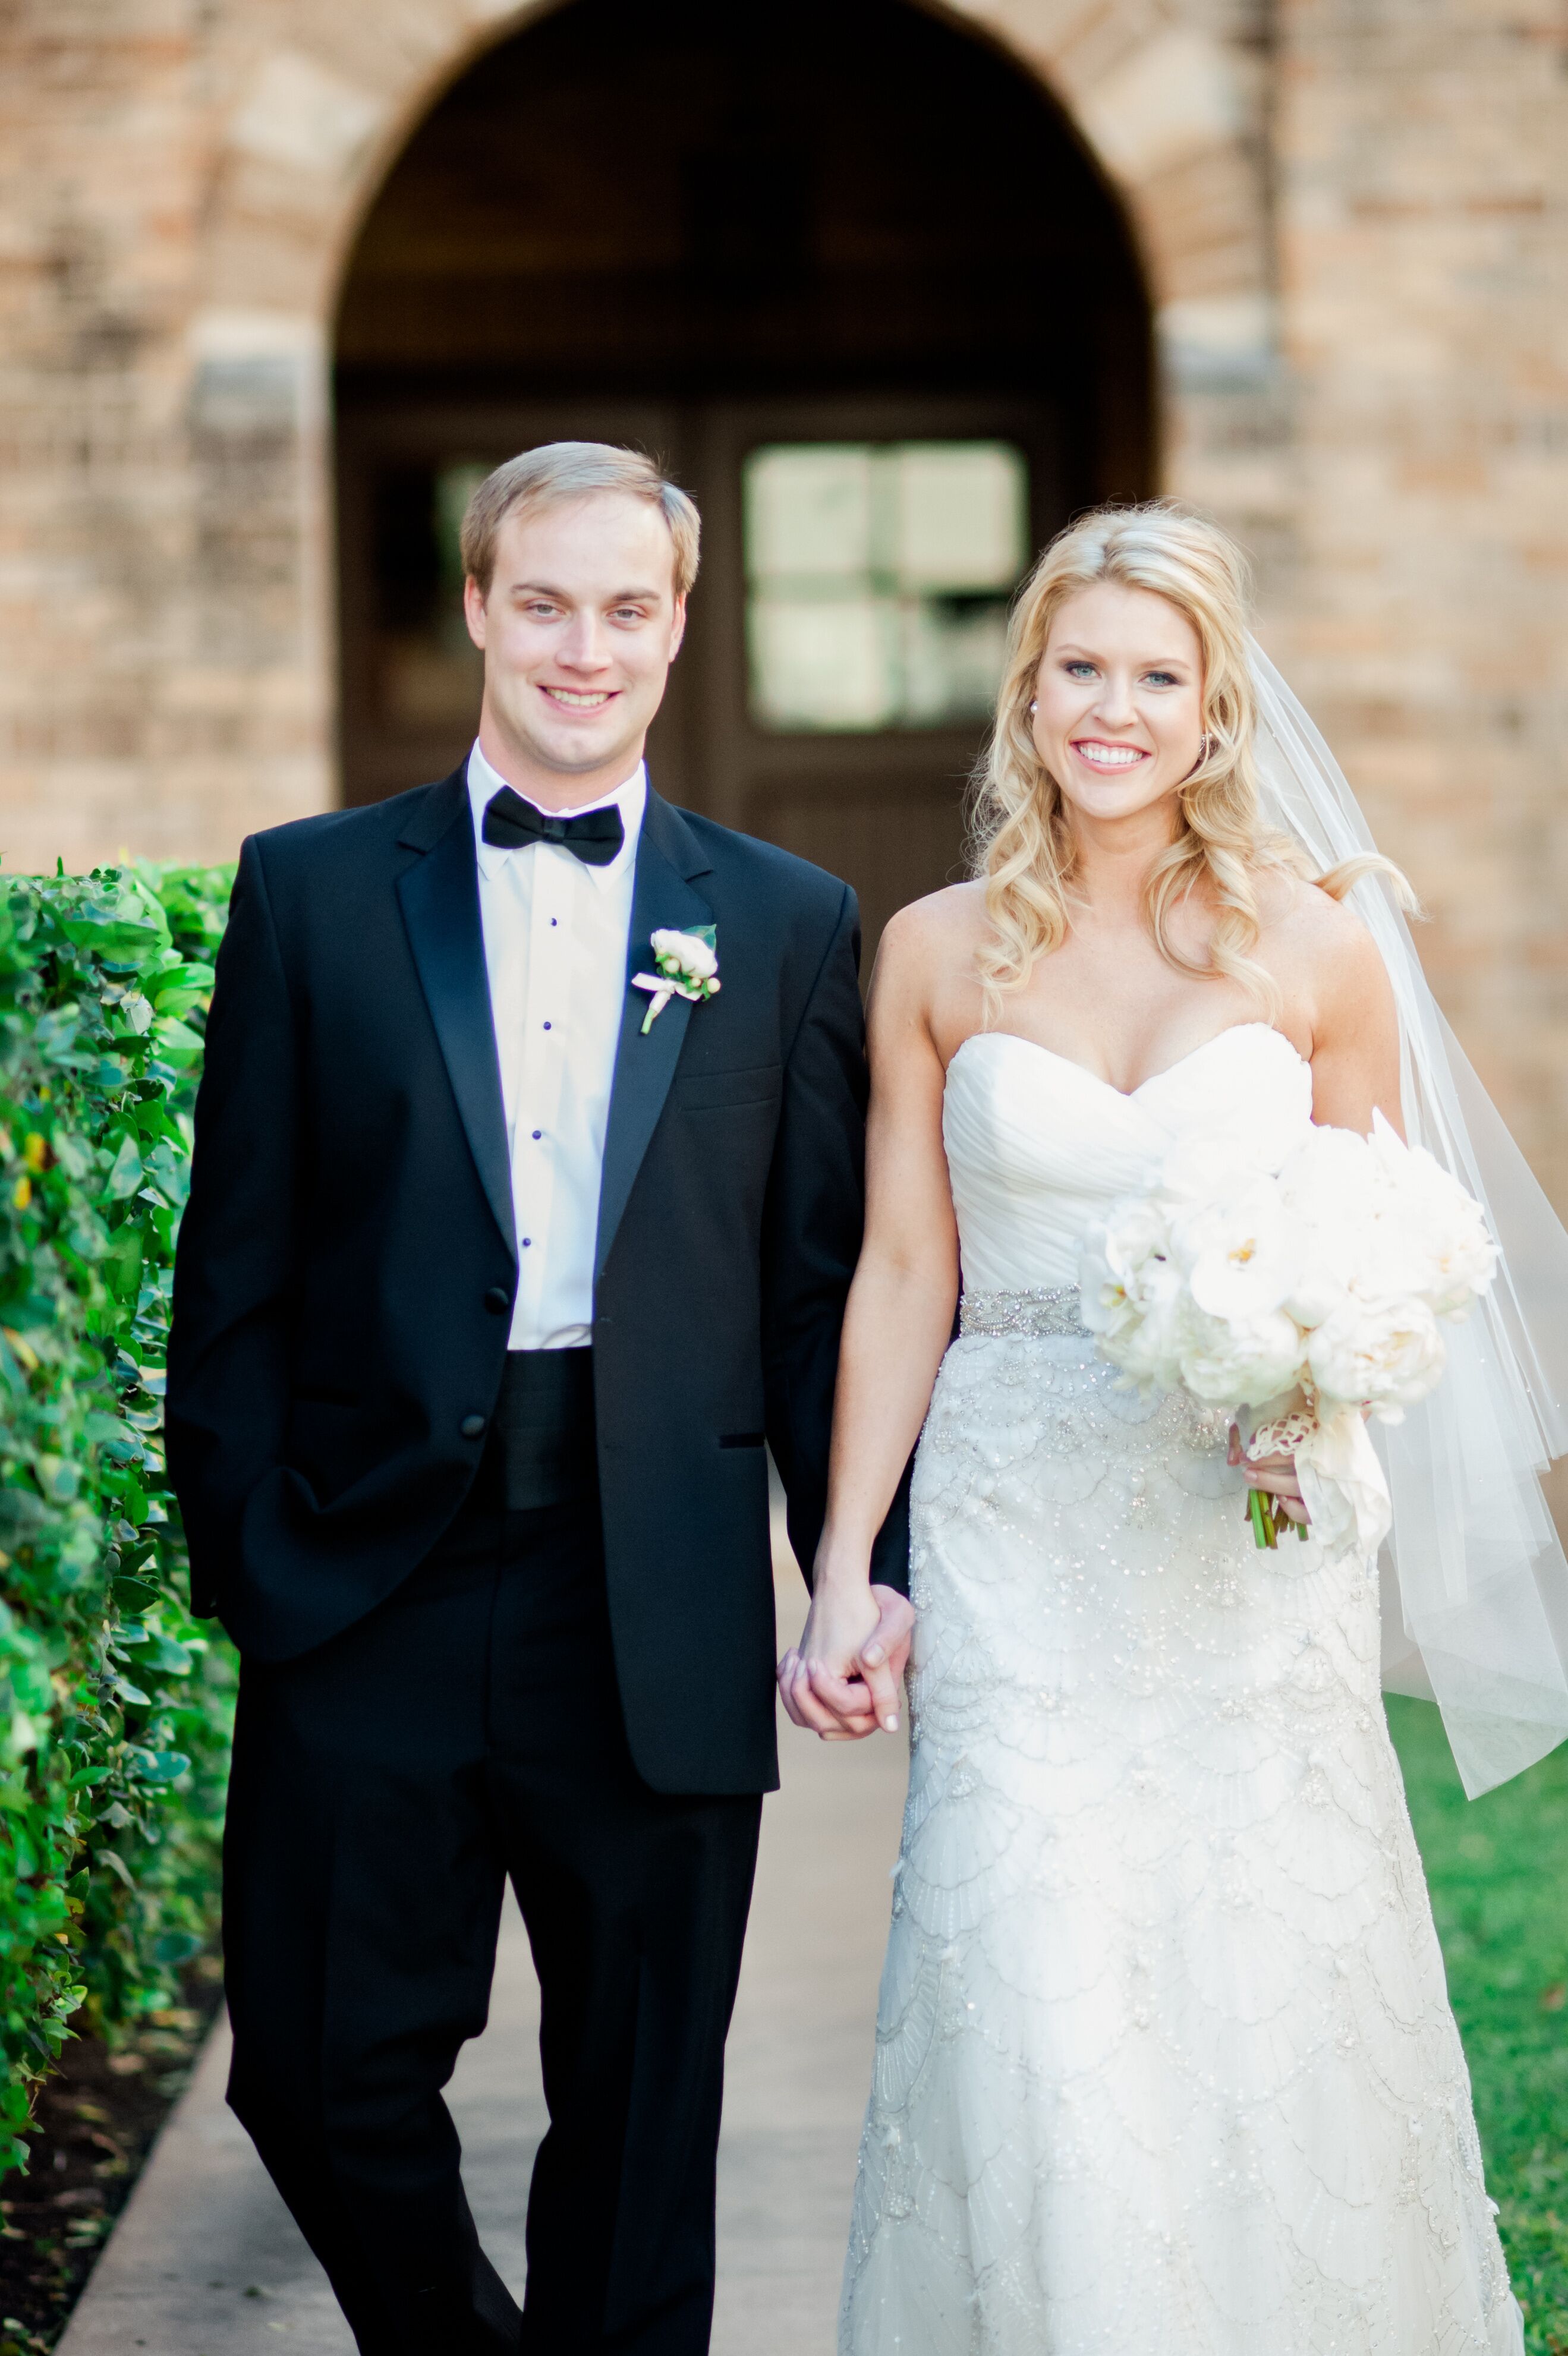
440,900
668,856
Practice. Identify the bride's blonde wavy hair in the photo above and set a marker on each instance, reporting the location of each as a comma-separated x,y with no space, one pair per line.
1022,843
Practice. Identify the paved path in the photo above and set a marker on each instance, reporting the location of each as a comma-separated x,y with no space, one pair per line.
207,2262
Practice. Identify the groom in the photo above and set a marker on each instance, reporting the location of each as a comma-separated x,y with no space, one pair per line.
498,1271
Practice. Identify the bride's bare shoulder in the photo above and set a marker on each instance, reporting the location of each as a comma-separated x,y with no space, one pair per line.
925,959
946,926
1319,942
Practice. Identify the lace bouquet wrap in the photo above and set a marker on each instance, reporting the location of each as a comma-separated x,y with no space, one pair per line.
1305,1292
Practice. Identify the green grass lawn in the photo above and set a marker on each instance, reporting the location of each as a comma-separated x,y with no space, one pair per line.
1499,1872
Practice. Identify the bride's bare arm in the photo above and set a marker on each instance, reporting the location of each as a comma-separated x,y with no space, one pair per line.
1355,1025
897,1326
1355,1072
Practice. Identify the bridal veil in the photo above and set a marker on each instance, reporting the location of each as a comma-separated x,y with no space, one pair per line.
1475,1584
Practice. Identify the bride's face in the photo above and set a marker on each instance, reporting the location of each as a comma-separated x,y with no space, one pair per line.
1117,701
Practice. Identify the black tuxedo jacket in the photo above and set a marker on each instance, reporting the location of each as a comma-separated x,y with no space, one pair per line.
346,1261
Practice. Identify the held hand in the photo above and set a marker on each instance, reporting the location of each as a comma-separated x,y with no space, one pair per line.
1276,1475
842,1680
886,1653
820,1678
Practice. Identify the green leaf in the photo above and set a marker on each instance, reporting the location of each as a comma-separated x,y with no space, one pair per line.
126,1172
108,1860
176,1042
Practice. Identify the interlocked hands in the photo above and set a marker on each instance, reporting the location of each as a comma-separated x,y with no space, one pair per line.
842,1680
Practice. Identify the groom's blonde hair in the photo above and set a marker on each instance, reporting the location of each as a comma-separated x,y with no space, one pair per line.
1022,846
559,472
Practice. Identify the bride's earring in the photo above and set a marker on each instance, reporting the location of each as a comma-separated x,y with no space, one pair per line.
1033,709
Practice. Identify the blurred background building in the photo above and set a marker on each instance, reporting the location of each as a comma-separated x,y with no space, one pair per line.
894,288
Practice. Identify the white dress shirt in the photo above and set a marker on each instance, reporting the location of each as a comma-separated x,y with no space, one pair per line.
556,952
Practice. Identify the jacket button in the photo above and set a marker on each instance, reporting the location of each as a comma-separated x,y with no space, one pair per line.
472,1426
497,1301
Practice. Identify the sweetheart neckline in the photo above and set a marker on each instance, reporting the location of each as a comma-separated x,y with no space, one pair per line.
1096,1079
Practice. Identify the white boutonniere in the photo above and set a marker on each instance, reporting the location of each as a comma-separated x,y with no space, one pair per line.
686,965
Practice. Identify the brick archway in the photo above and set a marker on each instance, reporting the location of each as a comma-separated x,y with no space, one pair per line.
314,114
312,125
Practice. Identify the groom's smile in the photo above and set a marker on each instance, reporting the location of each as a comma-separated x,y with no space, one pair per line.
578,624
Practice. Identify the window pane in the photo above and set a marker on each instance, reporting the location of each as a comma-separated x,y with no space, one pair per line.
953,656
827,663
878,578
808,513
963,516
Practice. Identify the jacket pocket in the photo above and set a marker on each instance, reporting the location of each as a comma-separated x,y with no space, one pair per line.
726,1091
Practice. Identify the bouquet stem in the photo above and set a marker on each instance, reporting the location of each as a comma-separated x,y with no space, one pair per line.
1268,1519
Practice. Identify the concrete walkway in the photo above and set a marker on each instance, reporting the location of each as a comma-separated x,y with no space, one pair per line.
207,2262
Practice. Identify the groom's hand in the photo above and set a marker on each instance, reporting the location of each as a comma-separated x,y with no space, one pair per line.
842,1680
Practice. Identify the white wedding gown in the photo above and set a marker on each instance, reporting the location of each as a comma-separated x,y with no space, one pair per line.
1165,2063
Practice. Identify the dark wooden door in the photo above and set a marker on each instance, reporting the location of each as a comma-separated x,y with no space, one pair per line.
857,757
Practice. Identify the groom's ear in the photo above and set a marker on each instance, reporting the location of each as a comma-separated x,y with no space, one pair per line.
677,627
474,611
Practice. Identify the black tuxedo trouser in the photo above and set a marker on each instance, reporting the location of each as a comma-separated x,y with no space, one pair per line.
384,1787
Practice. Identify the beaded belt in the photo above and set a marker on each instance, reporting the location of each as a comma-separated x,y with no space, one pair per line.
1044,1310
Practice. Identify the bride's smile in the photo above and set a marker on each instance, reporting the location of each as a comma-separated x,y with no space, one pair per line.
1118,718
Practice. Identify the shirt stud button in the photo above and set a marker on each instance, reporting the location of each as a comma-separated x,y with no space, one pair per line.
538,1133
472,1426
497,1301
548,1026
526,1242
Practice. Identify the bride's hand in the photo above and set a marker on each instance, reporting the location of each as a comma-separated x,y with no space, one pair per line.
825,1682
1276,1475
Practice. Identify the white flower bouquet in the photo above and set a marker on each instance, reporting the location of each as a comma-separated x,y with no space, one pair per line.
1305,1290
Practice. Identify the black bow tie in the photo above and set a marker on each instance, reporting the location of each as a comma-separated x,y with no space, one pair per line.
511,824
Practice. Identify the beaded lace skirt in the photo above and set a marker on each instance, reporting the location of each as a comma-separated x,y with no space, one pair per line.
1165,2063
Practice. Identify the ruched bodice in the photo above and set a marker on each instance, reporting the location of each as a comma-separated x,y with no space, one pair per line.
1038,1147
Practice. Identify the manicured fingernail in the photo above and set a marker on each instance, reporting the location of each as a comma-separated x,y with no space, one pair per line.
891,1724
874,1655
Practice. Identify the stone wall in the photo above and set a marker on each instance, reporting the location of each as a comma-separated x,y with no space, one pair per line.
1352,216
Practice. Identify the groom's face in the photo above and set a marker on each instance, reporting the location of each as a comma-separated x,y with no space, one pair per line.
579,630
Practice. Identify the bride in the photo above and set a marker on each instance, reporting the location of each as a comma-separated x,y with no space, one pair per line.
1164,2061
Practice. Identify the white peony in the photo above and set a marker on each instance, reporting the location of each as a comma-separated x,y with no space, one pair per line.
1230,1362
1122,1267
692,956
1241,1286
1241,1254
1444,1230
1106,1306
1381,1356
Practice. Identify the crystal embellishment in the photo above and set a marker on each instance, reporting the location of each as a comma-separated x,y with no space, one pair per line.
1044,1311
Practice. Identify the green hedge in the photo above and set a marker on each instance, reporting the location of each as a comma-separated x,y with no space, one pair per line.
114,1706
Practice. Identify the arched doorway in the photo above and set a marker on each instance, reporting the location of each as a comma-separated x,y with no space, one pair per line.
848,270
